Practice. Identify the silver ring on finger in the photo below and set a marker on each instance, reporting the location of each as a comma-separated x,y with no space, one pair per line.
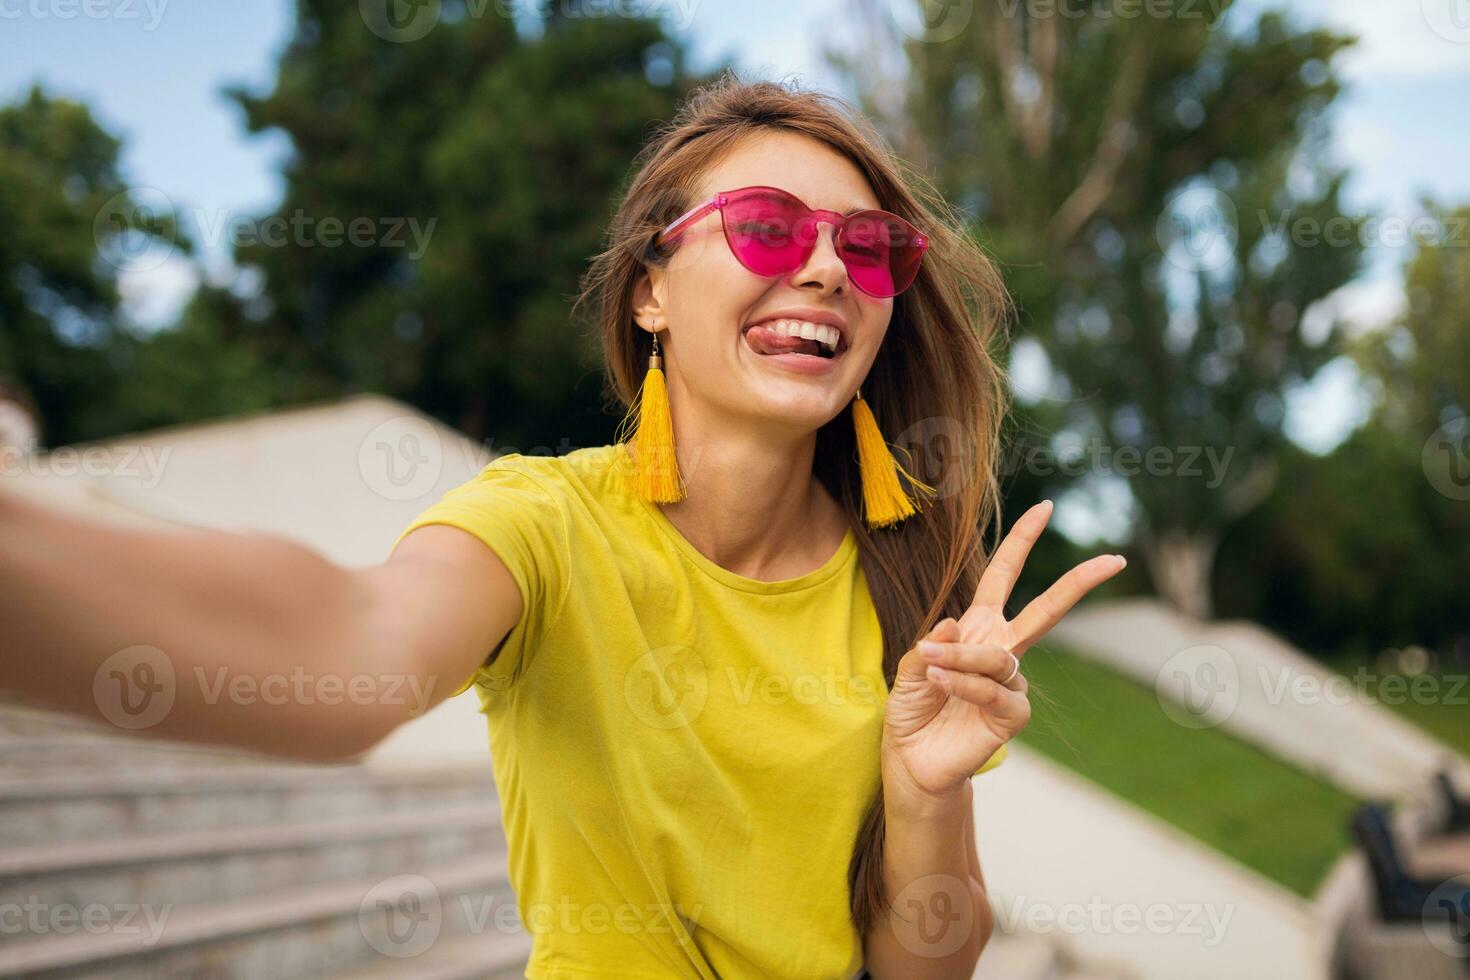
1014,669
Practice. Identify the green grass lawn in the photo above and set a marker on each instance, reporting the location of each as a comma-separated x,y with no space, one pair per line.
1439,703
1263,812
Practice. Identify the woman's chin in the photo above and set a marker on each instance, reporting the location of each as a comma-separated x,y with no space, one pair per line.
796,410
791,393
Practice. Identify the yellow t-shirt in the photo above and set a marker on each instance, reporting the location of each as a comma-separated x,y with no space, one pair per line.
683,754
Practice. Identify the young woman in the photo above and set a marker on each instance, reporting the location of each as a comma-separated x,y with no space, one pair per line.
721,748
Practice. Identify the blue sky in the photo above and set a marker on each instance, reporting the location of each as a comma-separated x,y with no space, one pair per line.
152,71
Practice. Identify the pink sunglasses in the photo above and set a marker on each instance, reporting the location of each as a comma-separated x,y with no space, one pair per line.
772,233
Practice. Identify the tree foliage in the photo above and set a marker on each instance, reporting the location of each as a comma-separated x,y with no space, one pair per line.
1159,192
69,223
487,164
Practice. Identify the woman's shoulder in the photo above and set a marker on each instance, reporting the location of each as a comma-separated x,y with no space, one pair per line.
589,466
577,480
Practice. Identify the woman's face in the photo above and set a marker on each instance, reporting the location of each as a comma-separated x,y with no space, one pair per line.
704,301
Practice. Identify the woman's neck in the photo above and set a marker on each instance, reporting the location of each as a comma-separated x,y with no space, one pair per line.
753,505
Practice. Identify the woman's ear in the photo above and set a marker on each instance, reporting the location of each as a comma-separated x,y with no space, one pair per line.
648,309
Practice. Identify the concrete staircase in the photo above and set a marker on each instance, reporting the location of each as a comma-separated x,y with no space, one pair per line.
125,858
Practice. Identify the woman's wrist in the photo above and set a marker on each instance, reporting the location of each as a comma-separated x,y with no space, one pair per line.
902,797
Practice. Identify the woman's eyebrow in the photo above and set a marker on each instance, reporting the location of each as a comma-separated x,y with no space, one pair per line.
848,212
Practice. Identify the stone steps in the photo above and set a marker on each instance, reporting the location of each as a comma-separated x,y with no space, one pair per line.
233,862
124,857
82,805
296,932
25,756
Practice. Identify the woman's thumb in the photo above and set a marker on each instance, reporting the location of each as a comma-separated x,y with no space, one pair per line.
913,667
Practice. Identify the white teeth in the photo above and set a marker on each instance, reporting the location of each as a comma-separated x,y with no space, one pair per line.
824,335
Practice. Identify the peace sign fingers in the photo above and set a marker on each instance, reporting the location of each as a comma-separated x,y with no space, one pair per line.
1005,565
1047,609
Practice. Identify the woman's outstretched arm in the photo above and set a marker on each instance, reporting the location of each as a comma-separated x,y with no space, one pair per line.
264,644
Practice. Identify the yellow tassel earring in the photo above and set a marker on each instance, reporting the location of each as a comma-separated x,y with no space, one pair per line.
884,500
655,472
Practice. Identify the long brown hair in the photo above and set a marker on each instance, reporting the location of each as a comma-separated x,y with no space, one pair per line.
937,381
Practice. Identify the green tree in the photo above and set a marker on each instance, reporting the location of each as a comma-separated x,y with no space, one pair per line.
1369,546
70,224
1353,552
1158,190
201,368
501,156
1422,362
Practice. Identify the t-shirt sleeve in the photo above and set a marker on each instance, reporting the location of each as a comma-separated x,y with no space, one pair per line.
994,760
525,523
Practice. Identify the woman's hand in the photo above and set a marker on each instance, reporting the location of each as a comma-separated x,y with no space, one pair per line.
949,711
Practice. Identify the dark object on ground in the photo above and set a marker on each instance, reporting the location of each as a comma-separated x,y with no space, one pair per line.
1457,809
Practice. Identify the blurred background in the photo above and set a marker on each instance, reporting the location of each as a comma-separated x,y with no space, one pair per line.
264,268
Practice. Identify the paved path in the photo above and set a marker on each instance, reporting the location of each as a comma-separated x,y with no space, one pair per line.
1072,862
